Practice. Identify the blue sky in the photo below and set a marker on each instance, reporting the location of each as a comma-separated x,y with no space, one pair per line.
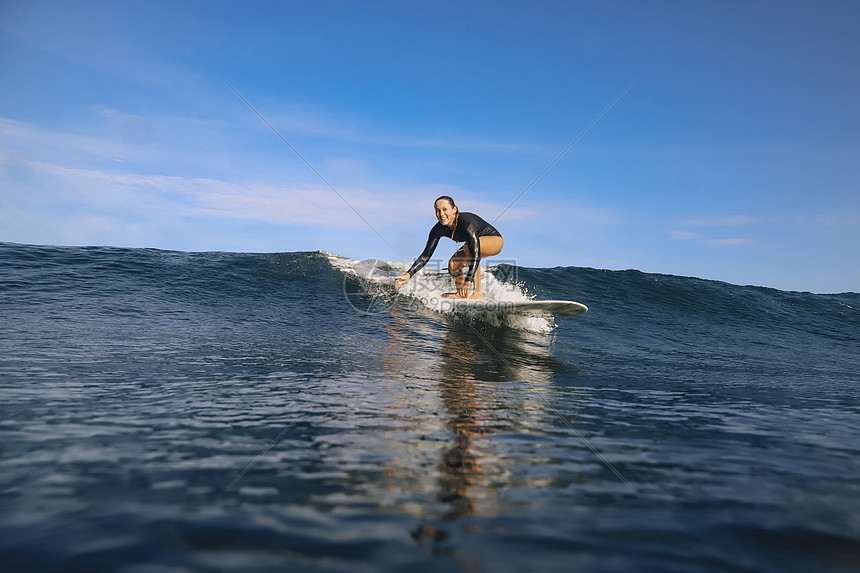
735,155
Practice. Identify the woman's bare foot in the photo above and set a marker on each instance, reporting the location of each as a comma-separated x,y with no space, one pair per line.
473,296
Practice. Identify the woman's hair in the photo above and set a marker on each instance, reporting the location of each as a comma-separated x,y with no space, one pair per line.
448,199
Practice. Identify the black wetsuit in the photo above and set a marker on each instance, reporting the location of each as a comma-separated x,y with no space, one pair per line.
469,228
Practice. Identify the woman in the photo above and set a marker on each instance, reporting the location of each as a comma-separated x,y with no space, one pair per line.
481,238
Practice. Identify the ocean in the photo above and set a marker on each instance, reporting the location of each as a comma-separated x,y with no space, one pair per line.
168,411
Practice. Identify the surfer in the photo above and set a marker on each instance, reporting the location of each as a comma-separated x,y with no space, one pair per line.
481,238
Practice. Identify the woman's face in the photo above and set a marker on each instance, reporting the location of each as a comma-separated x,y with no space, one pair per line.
445,212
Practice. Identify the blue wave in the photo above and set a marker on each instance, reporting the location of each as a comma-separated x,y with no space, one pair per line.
107,272
138,383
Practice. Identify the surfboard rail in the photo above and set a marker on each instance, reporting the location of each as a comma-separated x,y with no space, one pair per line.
554,307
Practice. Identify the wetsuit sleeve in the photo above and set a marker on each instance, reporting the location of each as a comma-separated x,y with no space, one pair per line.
474,245
419,263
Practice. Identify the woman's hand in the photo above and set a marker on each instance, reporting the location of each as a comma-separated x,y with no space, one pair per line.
463,289
398,281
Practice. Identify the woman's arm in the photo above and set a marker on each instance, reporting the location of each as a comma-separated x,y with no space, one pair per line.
474,246
429,249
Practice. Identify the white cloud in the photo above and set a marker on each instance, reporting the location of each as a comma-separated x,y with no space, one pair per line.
699,237
27,140
716,221
133,195
100,184
723,221
118,138
304,120
840,220
153,195
685,235
730,241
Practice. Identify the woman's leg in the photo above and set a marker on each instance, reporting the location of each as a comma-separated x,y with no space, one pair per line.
490,246
458,262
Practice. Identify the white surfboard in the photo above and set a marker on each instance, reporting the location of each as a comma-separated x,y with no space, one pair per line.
553,307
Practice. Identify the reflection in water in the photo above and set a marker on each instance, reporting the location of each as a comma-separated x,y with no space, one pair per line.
483,381
459,468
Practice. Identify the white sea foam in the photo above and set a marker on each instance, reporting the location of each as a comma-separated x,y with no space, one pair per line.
428,286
